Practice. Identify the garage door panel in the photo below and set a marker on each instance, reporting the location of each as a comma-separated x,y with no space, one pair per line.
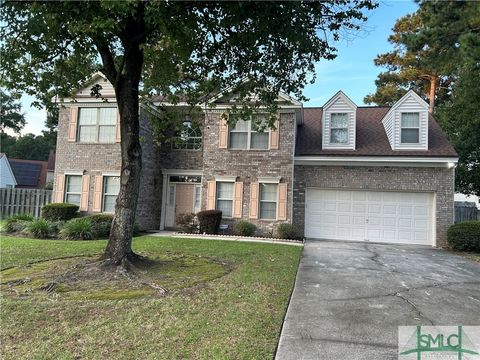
362,215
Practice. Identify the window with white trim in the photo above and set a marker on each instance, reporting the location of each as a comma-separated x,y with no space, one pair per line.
73,189
410,128
111,188
250,134
190,137
97,125
339,128
224,197
268,201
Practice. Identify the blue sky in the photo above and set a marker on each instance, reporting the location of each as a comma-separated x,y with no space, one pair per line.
352,71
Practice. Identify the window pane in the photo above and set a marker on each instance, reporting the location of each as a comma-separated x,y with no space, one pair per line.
259,121
339,121
112,185
268,192
410,136
87,116
339,136
225,206
259,141
238,140
108,116
268,210
241,125
198,194
106,134
109,203
410,120
74,183
225,190
73,199
87,134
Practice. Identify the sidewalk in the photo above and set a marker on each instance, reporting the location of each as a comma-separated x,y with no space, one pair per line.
166,233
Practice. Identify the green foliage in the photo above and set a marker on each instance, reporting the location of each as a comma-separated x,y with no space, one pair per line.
28,146
209,221
17,223
244,228
464,236
100,218
40,228
288,231
50,48
187,222
59,211
78,229
11,116
102,224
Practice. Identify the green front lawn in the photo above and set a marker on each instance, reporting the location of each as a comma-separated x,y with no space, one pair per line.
235,316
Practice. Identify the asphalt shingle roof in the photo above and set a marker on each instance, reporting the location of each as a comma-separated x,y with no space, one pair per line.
371,138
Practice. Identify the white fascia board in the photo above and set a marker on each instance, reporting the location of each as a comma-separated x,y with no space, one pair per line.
338,94
448,162
204,106
395,106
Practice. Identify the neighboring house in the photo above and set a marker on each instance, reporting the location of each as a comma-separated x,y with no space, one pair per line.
30,174
337,172
7,177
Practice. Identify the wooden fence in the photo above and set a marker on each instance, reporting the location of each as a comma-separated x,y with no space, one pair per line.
23,201
465,211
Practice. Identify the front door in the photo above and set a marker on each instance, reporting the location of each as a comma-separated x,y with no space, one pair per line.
184,199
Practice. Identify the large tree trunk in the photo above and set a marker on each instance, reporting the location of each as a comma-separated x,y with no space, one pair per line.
431,95
119,248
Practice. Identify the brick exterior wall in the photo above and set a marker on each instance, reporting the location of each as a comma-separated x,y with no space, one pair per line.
97,159
249,165
438,180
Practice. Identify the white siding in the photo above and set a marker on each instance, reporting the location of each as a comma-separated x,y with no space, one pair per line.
388,124
6,175
410,103
339,104
107,87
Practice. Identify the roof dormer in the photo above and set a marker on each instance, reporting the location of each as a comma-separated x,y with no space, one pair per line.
406,124
339,123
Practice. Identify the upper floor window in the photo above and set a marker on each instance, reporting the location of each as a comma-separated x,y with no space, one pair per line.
73,189
410,128
247,135
339,128
111,188
224,198
97,125
190,137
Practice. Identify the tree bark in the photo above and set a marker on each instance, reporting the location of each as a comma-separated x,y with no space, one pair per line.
431,95
119,248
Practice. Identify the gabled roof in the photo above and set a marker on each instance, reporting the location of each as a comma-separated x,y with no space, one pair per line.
371,139
341,94
9,166
408,94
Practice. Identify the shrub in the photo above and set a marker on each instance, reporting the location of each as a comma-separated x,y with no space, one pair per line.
40,228
23,217
187,222
102,224
464,236
209,221
78,229
244,228
12,226
59,211
288,231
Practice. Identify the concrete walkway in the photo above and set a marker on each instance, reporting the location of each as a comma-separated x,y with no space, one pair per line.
350,298
166,233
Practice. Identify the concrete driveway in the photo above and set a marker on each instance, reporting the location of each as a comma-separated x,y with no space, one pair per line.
350,298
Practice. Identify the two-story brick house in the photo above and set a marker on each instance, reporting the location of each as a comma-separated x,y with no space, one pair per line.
337,172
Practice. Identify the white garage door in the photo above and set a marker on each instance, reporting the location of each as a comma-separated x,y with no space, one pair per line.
394,217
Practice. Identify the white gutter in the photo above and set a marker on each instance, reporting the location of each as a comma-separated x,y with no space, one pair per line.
448,162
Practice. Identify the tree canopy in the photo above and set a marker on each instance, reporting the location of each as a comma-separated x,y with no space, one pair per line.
176,49
436,53
11,116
